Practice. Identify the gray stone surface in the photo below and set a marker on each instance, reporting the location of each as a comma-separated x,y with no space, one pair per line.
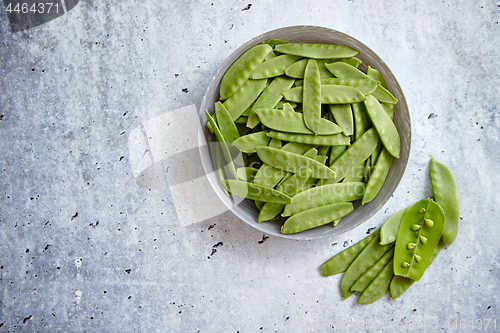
84,249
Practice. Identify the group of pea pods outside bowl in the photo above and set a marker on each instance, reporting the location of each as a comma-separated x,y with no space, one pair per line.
303,132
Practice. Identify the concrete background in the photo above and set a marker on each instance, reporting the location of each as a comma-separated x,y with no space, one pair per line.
84,249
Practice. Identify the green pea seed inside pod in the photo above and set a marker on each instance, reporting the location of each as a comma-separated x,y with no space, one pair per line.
281,130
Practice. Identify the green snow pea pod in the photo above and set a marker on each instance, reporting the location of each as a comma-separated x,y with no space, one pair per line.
323,150
389,108
324,195
256,192
316,217
226,124
365,86
384,96
275,41
346,71
239,72
330,94
399,284
296,70
321,158
342,113
222,142
377,176
386,129
317,51
293,122
285,105
297,148
311,96
368,169
356,175
247,143
389,230
368,256
320,140
371,273
246,173
220,171
375,75
290,187
418,235
379,286
241,100
242,120
274,67
275,143
335,152
361,120
291,162
269,98
341,261
356,154
446,194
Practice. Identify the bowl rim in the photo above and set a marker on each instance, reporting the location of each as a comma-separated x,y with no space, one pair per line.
209,164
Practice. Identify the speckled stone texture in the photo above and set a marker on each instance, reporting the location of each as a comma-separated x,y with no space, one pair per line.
84,249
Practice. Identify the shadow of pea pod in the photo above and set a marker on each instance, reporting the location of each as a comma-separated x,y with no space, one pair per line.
26,14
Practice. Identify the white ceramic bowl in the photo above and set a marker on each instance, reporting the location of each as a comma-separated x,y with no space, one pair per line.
246,209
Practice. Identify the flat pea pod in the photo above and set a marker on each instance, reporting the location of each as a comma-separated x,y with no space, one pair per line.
330,94
242,99
446,194
346,71
377,176
297,148
256,192
316,217
269,98
375,75
418,235
222,142
379,286
324,195
274,67
242,120
275,143
320,140
293,122
296,70
341,261
361,120
239,72
342,113
389,230
400,284
364,85
356,175
226,124
275,41
370,254
311,96
356,154
390,109
335,152
384,96
220,171
291,162
290,187
386,129
317,51
247,143
246,173
364,280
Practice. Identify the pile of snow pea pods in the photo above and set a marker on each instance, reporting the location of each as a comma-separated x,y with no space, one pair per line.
392,258
303,132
